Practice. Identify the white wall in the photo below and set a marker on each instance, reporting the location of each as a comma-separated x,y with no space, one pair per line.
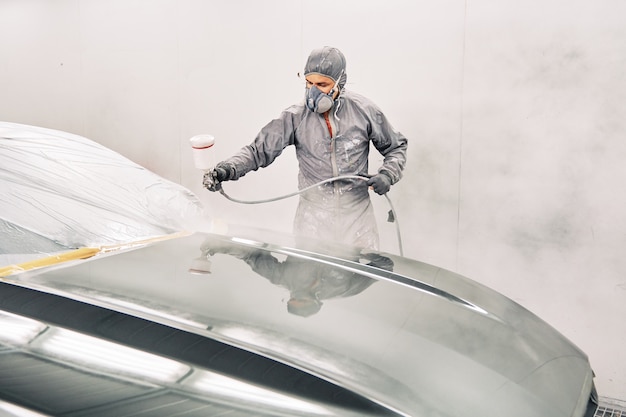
514,111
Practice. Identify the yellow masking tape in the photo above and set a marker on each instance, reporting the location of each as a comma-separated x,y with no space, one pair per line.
81,253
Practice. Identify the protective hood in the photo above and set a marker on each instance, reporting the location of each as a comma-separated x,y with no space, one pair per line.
329,62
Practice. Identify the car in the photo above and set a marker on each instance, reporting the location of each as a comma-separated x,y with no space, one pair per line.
247,322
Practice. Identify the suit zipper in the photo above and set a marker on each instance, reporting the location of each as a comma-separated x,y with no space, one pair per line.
333,147
333,160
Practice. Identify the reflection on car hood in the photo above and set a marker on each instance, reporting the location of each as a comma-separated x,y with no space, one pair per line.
415,338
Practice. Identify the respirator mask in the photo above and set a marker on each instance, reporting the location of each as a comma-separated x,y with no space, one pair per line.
317,101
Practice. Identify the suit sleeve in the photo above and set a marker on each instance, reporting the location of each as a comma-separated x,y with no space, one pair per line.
266,147
391,144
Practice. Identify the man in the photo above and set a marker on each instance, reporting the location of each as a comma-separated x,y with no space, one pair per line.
331,131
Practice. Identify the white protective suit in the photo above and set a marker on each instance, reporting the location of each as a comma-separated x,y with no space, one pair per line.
329,145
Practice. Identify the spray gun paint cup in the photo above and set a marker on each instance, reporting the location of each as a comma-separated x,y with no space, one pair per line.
203,157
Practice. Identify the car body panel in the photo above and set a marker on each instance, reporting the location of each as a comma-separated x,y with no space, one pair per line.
411,338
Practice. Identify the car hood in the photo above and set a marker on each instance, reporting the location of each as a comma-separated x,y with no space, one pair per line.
417,339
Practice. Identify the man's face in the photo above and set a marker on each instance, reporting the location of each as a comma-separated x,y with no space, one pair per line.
323,83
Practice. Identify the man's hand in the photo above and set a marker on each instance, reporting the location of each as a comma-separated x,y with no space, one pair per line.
223,171
381,183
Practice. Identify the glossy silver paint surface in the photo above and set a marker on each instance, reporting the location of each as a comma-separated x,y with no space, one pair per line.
416,339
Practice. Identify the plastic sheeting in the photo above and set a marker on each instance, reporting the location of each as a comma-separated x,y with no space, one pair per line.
61,191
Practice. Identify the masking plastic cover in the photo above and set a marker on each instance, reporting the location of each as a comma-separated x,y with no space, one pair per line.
62,191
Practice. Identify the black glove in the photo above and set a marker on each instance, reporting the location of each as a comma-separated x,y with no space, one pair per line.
223,171
381,183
